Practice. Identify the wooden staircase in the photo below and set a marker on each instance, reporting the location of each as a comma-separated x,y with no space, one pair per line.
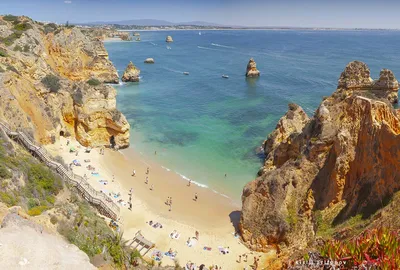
101,201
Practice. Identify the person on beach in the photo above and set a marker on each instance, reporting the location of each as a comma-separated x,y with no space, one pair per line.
147,180
152,187
134,172
170,207
113,178
85,176
148,170
195,197
240,259
167,201
67,142
190,181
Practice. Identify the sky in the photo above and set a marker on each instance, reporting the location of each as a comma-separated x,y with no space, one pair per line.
294,13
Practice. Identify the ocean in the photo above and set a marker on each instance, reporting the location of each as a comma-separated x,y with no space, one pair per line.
203,126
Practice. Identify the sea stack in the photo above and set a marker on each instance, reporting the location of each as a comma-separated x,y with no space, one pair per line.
252,70
131,73
169,39
149,61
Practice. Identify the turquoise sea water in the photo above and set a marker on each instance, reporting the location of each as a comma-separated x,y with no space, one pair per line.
203,126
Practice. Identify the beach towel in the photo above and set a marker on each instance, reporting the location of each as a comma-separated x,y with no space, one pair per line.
223,250
171,255
95,173
192,242
207,248
157,255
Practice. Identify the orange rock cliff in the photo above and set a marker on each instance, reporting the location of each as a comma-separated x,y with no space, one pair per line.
344,160
52,83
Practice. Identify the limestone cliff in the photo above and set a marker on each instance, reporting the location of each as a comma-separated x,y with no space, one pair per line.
344,159
131,73
51,84
251,70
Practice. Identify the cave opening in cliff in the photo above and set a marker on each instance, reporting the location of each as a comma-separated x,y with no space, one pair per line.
112,141
62,134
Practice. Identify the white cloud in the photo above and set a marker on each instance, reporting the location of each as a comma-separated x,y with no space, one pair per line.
67,2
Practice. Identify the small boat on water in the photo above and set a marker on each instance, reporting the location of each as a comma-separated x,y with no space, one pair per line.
199,33
186,73
225,76
136,34
138,39
168,47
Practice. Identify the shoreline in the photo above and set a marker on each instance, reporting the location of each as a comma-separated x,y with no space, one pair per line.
212,215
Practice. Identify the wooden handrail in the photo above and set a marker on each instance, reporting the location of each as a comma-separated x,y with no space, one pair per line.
101,200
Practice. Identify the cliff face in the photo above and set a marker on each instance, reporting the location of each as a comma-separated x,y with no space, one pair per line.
51,83
346,156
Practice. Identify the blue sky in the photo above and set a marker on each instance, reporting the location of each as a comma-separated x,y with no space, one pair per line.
301,13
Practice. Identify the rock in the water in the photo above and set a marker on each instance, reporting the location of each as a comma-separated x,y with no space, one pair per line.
252,70
131,73
169,39
149,61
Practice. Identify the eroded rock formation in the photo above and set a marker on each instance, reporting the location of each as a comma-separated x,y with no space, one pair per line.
169,39
252,70
346,156
131,73
356,77
52,86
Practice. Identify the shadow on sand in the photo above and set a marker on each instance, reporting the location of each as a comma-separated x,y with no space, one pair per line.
235,218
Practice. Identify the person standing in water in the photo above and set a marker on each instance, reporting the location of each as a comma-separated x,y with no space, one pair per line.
190,181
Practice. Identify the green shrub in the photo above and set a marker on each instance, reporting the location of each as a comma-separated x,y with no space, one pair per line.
4,172
93,82
35,211
52,83
3,53
10,18
17,48
44,180
9,40
2,69
26,48
53,220
13,69
8,198
23,26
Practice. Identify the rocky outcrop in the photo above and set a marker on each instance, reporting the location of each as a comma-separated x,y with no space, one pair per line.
169,39
78,57
131,73
149,61
66,59
345,158
252,70
356,77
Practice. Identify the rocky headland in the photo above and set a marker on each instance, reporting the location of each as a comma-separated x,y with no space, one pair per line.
131,73
52,83
333,174
251,70
169,39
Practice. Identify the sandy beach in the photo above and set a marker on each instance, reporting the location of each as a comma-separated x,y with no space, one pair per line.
213,216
